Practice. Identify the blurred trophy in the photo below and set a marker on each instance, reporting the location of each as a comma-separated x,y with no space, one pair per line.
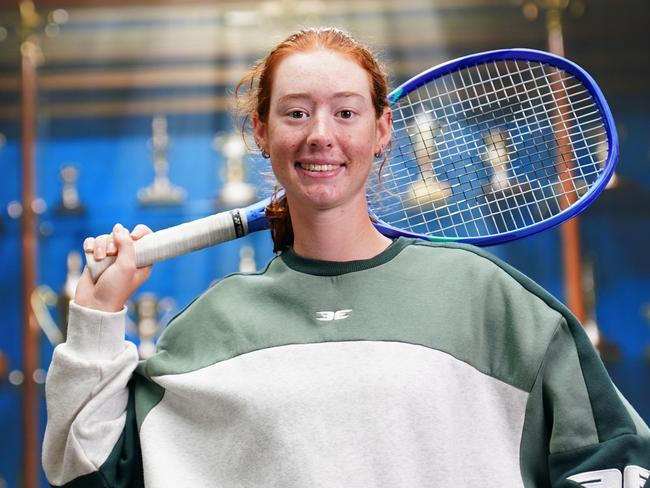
427,190
236,191
43,298
504,188
247,259
151,316
161,191
70,202
496,145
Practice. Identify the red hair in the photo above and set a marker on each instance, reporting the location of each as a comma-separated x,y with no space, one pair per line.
253,96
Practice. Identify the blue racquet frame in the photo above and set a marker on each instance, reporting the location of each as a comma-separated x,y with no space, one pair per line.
522,55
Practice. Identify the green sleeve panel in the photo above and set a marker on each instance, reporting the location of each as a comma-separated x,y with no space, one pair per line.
572,422
558,415
147,394
622,449
611,416
591,431
123,468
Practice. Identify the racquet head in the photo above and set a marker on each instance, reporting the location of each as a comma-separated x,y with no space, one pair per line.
493,147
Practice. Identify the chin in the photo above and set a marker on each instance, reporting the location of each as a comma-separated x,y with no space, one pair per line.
324,203
322,199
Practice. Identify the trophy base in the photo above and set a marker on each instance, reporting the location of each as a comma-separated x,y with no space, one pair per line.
427,194
161,194
63,210
237,194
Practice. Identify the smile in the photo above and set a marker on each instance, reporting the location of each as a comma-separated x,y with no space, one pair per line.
318,167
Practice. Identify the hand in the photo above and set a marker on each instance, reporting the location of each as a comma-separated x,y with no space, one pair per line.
121,279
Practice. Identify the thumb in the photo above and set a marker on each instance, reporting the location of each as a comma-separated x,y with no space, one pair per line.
85,278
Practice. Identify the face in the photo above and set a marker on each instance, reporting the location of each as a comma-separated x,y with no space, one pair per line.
322,130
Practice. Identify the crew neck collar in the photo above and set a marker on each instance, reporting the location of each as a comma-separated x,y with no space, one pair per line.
334,268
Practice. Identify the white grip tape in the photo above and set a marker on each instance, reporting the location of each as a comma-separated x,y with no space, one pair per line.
184,238
177,240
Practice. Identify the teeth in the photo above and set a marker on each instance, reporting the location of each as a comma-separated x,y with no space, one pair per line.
318,167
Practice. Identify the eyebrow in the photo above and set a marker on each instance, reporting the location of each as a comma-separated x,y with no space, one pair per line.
300,96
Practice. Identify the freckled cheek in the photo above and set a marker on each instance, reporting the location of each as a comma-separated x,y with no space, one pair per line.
361,142
284,147
362,150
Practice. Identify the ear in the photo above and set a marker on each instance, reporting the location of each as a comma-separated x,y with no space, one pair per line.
259,132
384,129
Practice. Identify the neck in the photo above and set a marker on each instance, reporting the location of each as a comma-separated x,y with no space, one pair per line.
340,234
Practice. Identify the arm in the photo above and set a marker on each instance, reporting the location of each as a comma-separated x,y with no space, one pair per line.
90,438
595,435
87,395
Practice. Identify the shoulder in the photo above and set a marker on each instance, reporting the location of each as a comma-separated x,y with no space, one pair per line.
207,329
464,255
506,319
230,291
475,267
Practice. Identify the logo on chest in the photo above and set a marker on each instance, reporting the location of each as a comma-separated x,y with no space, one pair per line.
329,316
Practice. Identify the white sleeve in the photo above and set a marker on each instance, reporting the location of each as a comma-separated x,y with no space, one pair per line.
86,393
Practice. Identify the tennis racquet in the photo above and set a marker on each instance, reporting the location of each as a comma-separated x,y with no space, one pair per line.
486,148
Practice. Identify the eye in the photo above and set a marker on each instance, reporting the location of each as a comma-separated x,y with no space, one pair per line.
346,114
297,114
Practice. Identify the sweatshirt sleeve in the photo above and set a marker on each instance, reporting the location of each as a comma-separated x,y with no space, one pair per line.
90,437
595,436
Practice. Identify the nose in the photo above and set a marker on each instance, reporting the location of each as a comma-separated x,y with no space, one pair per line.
321,132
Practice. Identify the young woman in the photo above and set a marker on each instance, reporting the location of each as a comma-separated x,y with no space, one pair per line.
350,360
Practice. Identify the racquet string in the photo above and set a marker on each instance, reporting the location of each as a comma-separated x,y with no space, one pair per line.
488,149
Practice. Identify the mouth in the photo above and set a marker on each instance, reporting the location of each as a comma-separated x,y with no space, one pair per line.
317,167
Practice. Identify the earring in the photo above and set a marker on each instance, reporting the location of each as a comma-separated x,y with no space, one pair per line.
265,155
379,152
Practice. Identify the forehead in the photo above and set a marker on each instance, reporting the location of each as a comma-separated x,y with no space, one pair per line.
319,72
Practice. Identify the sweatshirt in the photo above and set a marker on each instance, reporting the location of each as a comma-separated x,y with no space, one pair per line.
429,365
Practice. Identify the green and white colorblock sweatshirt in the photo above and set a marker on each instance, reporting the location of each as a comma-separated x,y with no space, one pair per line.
430,365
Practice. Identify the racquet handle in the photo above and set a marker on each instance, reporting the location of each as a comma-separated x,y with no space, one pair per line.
178,240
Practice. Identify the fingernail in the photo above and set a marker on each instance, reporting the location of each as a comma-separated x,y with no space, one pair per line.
118,228
111,247
100,252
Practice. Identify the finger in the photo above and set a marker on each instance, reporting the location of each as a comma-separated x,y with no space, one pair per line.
124,244
99,251
111,248
139,231
89,244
